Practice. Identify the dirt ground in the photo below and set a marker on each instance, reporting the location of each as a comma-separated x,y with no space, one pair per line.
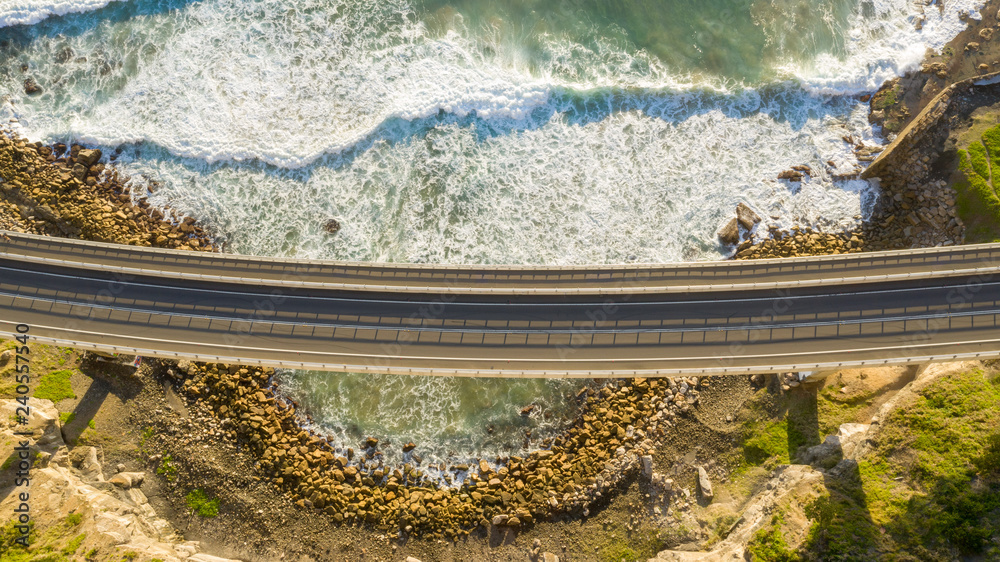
138,421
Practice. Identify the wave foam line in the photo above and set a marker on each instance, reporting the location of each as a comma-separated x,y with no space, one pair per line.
30,12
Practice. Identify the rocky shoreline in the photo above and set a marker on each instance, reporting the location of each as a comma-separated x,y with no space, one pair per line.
610,440
75,192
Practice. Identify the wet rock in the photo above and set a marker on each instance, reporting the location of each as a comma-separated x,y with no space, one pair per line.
64,55
31,87
88,156
331,226
730,233
746,216
409,447
790,175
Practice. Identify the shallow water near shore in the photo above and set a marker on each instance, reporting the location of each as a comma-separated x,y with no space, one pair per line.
467,132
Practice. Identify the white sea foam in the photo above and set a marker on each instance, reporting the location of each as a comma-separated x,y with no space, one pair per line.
599,187
30,12
229,81
883,43
453,420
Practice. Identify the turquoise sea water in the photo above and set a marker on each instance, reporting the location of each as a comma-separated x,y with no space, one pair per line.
574,131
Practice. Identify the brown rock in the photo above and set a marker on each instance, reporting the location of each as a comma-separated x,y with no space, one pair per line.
31,87
88,156
730,233
746,216
790,175
331,226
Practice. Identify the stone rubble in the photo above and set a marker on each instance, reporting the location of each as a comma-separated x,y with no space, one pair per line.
64,482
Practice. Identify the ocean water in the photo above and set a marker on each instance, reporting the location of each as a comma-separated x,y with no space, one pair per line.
467,131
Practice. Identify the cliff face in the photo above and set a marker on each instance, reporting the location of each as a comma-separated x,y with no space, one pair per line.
75,510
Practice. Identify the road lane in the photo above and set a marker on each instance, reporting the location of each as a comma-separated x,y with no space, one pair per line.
692,318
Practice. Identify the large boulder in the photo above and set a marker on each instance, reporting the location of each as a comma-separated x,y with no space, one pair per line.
704,485
730,233
88,156
746,216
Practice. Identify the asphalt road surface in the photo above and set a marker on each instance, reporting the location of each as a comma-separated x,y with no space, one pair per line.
794,314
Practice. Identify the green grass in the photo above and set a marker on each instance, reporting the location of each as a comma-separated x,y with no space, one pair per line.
167,468
66,417
144,438
766,441
979,160
74,545
768,544
977,201
91,424
931,488
55,544
841,529
640,546
835,409
55,386
200,504
889,99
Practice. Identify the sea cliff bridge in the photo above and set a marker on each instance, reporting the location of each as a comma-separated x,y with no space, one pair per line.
798,314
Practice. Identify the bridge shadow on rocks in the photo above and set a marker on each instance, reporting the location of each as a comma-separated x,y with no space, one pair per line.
842,525
108,378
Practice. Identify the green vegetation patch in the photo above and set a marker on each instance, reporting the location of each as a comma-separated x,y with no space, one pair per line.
74,545
200,504
167,469
931,488
889,99
640,546
977,201
768,544
836,409
58,543
771,442
55,386
766,441
66,418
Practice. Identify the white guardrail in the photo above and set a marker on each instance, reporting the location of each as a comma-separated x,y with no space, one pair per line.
508,372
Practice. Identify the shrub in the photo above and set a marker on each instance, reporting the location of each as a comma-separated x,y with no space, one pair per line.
200,504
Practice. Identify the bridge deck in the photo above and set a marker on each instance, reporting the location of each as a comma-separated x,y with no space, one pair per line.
719,317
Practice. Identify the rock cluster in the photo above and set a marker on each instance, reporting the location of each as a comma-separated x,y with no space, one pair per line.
355,486
114,515
739,227
67,191
801,242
